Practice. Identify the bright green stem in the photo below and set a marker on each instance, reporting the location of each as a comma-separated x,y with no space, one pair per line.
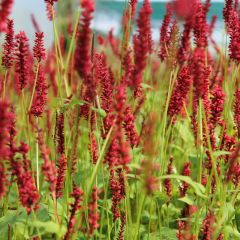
37,156
34,87
4,84
142,200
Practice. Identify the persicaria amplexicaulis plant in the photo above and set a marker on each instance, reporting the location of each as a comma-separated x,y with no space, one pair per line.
120,135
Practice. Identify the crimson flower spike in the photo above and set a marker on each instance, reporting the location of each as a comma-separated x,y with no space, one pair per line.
38,49
77,194
142,44
35,23
82,54
237,111
5,10
50,1
40,99
8,46
22,60
164,31
180,92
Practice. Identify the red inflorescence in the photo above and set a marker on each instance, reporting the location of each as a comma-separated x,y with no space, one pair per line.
22,60
217,105
237,110
40,98
60,133
93,215
184,49
207,226
227,11
8,46
116,195
122,226
48,168
50,1
6,118
164,32
129,126
93,147
200,74
82,54
234,31
200,28
167,182
77,194
38,49
5,10
142,43
180,92
3,182
35,23
185,172
61,174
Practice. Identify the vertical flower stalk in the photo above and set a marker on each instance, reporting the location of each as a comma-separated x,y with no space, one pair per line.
61,175
5,11
93,215
82,54
8,49
48,168
164,32
22,60
8,46
142,45
77,195
185,172
180,92
237,111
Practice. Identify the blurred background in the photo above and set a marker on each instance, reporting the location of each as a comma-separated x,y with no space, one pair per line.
107,16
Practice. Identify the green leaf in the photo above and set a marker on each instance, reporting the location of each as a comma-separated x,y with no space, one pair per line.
100,111
187,199
146,86
49,227
198,188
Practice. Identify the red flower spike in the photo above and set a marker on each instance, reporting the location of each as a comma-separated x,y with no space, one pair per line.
38,49
227,11
93,148
77,194
60,133
129,126
167,182
207,226
116,195
3,182
50,1
184,49
180,92
93,215
217,105
61,174
35,23
6,118
122,226
5,11
200,28
164,32
185,172
142,44
22,60
8,46
48,168
237,111
82,54
40,98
